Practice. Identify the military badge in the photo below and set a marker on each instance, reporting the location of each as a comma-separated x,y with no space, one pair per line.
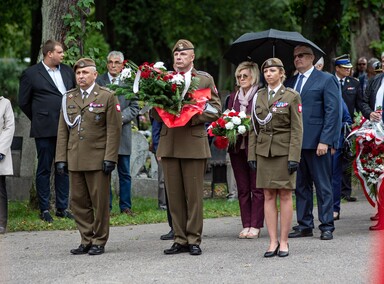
300,108
118,108
70,96
274,109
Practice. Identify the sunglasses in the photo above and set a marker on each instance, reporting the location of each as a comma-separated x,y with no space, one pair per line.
241,76
301,55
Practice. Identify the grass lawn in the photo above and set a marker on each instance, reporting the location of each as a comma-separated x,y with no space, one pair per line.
22,218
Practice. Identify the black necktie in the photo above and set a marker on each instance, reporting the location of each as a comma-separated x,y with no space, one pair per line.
341,82
271,93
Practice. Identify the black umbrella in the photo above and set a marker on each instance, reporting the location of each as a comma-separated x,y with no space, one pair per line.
260,46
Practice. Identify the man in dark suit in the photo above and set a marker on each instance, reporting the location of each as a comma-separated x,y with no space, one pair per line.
88,140
42,87
184,152
129,111
352,96
321,108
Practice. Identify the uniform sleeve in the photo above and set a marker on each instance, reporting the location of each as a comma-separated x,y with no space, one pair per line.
114,123
62,140
252,144
215,102
296,138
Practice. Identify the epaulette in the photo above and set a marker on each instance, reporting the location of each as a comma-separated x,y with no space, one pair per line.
106,89
262,89
292,90
71,90
203,73
357,79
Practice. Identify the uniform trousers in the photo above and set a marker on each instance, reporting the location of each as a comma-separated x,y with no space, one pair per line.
317,170
251,198
90,205
184,181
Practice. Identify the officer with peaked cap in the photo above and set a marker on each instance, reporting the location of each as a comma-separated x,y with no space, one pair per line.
184,152
352,96
87,145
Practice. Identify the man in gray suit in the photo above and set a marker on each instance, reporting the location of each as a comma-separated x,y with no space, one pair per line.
129,111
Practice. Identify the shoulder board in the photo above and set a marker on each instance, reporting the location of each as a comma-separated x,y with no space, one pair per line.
262,89
106,89
357,79
71,90
203,73
291,90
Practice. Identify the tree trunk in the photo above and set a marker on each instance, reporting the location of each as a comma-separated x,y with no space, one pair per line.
364,30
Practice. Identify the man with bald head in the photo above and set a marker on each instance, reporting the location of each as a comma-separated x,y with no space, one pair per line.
184,152
321,108
88,141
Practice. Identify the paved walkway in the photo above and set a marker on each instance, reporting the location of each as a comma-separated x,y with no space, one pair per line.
134,254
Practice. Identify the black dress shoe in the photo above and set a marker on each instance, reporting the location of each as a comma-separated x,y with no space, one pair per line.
273,252
176,248
326,235
194,250
301,234
169,236
64,214
349,198
45,216
96,250
82,249
283,253
296,228
375,218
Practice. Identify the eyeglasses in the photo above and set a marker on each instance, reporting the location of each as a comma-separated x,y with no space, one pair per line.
241,76
301,55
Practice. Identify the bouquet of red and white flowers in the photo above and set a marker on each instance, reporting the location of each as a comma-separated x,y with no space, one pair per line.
228,127
173,94
369,162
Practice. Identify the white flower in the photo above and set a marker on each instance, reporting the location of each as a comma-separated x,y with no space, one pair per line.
125,73
160,65
242,114
229,126
178,79
236,120
241,129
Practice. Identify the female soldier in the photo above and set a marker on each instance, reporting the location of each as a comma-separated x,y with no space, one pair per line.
274,147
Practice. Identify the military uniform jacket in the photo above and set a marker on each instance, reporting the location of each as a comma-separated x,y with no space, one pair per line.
282,135
97,135
190,141
352,95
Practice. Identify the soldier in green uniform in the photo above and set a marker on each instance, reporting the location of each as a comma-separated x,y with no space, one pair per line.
184,152
275,149
87,145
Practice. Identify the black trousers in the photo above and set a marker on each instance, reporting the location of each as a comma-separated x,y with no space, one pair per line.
3,203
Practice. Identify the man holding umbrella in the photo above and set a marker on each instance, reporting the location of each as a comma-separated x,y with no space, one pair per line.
321,109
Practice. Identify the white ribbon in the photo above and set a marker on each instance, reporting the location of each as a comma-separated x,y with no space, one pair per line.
136,82
187,80
77,119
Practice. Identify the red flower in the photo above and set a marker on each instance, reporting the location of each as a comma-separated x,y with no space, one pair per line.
221,142
221,122
174,87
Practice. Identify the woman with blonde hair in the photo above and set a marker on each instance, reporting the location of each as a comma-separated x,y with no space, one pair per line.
251,198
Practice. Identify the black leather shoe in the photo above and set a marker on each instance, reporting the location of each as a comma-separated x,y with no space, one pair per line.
96,250
296,228
326,235
82,249
169,236
301,234
273,252
194,250
349,198
64,214
375,218
176,248
45,216
283,253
